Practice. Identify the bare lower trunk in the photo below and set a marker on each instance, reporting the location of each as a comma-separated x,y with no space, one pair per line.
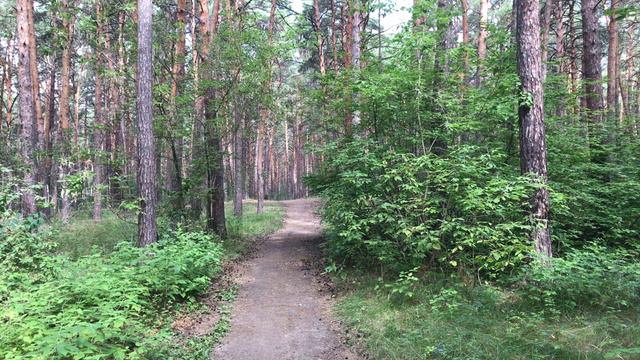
147,232
27,111
98,132
260,161
612,62
482,38
533,150
591,60
546,27
238,160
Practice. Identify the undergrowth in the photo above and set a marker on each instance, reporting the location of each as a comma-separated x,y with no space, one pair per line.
75,292
584,306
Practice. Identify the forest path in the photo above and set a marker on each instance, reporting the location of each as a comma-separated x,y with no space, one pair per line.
280,312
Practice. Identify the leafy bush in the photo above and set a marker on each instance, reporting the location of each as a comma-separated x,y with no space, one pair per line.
397,210
102,307
22,246
594,278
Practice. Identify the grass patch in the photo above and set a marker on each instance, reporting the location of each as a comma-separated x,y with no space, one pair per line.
82,236
446,320
242,231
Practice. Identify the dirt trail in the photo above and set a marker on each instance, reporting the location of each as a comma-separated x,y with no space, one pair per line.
280,314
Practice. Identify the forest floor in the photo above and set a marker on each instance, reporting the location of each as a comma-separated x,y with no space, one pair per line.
283,307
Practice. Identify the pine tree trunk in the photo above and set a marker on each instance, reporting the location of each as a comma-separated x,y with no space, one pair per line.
98,132
591,61
533,150
546,27
27,105
319,37
33,68
174,171
482,39
238,160
147,232
612,62
560,56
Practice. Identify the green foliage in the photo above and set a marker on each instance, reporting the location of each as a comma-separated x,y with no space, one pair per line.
102,307
83,236
23,248
594,278
449,320
462,210
404,287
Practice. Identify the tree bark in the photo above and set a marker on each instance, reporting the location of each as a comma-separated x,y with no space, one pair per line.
533,150
65,91
334,36
7,76
238,160
591,61
482,39
215,162
560,55
174,171
27,104
147,232
612,62
264,117
319,38
546,27
33,68
98,132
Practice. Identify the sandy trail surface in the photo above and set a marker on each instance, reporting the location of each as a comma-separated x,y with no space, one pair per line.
282,312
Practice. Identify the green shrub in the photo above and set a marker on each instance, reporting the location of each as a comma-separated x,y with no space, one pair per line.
397,210
22,246
594,278
104,307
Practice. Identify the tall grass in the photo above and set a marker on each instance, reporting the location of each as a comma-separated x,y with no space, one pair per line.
82,236
447,320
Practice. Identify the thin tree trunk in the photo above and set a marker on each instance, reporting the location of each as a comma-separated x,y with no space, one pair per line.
319,38
48,169
286,176
76,107
33,68
546,27
175,149
8,84
147,232
334,42
533,150
264,117
465,37
65,90
215,165
238,160
573,55
98,132
560,56
612,62
482,39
